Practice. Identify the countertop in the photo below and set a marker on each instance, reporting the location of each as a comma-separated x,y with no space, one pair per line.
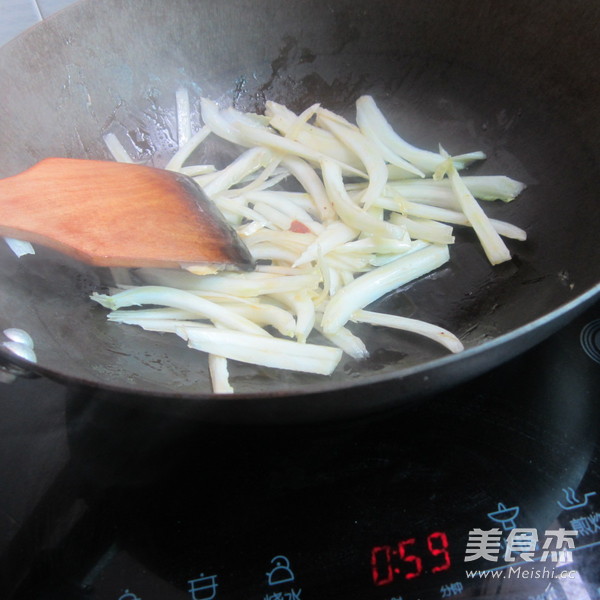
18,15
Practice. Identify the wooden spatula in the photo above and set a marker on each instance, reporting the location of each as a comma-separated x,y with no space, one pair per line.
118,215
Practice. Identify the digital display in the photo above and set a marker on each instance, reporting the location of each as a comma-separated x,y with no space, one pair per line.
410,558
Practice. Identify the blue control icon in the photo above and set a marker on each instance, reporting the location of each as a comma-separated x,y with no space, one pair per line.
505,516
281,572
590,339
204,587
129,596
572,501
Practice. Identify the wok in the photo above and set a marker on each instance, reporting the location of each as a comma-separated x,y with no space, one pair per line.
517,80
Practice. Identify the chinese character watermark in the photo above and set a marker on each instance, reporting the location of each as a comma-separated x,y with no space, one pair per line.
521,544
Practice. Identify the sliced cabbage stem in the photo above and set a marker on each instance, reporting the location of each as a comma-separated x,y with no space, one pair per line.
438,334
364,213
373,285
268,352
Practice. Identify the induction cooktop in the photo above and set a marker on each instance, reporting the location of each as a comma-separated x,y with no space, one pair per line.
489,490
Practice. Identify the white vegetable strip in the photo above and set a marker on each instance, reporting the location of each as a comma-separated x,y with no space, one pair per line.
300,199
211,116
424,229
326,114
373,243
433,195
331,274
116,148
235,209
203,178
369,287
284,253
370,118
254,136
232,115
286,206
331,237
273,216
266,314
300,121
269,352
464,160
301,304
250,228
370,127
438,334
492,243
159,325
248,162
344,262
256,284
483,187
426,211
184,127
164,296
324,142
234,303
391,157
272,252
19,247
281,270
184,152
219,374
328,278
121,316
290,239
507,230
270,176
259,184
351,344
348,212
311,182
172,278
346,276
368,154
177,313
195,170
379,260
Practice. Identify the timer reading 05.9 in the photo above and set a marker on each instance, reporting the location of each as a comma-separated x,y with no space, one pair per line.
410,558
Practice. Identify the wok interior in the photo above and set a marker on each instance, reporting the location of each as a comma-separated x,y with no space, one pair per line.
516,80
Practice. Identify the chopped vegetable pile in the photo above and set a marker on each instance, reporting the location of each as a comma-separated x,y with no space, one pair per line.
368,213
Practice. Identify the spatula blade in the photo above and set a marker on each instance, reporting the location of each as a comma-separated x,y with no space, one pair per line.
119,215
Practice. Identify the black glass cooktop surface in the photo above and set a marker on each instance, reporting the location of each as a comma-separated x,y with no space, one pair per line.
490,490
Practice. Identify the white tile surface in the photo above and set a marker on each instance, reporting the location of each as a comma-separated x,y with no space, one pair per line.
47,7
18,15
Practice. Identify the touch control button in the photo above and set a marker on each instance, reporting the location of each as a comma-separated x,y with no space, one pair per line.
590,339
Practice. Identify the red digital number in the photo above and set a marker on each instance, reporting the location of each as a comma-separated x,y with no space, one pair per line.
413,559
437,543
381,560
387,563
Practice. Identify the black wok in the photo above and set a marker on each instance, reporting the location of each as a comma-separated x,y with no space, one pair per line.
518,80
